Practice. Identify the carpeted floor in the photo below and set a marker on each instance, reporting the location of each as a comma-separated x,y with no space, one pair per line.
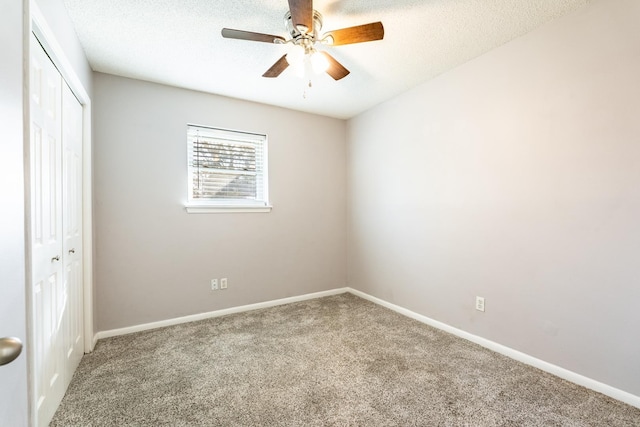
334,361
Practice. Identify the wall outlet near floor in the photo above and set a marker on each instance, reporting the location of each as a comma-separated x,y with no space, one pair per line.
223,283
479,303
214,284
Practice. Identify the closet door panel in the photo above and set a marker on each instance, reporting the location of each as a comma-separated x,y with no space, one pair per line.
48,301
72,230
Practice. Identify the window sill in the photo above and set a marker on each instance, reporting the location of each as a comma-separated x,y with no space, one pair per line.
200,209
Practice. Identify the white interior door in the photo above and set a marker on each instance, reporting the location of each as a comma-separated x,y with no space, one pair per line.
72,231
13,375
47,281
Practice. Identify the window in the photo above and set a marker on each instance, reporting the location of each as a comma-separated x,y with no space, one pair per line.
227,170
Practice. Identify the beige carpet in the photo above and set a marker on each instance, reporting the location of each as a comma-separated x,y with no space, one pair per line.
335,361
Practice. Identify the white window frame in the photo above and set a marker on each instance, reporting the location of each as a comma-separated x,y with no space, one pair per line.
215,205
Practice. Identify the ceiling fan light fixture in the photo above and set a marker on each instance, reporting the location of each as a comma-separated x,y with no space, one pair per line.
295,54
295,57
319,62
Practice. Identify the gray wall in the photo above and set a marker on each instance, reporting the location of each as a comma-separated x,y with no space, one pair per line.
514,177
154,261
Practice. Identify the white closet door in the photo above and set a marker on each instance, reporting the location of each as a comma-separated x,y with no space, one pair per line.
48,301
72,230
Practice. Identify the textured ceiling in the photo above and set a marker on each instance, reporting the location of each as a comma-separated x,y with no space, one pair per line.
178,42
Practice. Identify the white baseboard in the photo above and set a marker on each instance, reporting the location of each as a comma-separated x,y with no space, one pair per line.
573,377
94,341
217,313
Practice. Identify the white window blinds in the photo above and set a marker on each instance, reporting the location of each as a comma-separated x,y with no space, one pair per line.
227,167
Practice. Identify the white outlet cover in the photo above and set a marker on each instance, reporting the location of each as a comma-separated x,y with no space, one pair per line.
480,303
223,283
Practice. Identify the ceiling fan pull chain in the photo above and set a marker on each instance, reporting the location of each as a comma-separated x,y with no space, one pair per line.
307,87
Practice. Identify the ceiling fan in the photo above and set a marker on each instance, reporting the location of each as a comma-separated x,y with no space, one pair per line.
304,23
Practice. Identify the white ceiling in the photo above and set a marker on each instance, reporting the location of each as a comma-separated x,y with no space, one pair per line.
178,42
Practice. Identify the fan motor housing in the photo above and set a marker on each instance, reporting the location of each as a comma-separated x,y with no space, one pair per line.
296,34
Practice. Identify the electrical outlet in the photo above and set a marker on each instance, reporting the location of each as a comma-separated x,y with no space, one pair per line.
479,303
214,284
223,283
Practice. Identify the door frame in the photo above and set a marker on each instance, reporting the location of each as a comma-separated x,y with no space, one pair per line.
38,25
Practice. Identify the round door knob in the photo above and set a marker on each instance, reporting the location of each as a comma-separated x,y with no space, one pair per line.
10,349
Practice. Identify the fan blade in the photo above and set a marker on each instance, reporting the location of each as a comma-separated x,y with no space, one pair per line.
336,69
248,35
357,34
277,68
302,15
